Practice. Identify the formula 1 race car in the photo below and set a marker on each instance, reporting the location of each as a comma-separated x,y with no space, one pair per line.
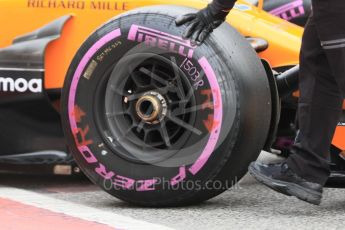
148,116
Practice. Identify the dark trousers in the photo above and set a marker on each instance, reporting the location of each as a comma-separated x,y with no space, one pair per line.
322,89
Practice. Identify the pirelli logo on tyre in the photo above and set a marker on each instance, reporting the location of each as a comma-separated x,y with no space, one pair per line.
162,40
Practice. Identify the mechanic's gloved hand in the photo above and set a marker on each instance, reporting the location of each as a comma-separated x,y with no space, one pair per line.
202,23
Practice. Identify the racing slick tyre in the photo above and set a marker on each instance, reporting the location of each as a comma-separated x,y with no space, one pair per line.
156,121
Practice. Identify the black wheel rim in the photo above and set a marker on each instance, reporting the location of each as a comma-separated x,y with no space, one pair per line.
146,110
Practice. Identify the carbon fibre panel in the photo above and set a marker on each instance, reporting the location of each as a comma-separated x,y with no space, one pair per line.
22,63
28,121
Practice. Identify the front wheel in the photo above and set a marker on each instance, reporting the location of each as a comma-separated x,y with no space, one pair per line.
156,121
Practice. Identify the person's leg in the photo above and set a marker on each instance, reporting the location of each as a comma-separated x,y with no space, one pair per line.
290,178
330,24
322,83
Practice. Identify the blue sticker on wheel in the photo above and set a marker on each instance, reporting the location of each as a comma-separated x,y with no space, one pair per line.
242,7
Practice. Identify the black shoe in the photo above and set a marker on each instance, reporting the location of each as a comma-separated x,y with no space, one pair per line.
282,179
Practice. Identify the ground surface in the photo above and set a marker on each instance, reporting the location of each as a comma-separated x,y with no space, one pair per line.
248,206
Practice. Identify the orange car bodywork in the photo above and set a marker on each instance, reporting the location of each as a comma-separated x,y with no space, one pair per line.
19,17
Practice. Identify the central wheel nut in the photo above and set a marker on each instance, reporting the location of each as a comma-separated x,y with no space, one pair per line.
151,107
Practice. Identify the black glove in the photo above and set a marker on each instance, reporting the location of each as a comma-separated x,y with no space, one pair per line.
202,23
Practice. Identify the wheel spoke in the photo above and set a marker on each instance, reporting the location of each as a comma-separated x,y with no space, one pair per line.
154,66
134,96
164,132
124,135
177,78
130,97
176,72
117,90
140,126
185,125
134,78
189,95
178,102
166,89
111,115
191,109
154,76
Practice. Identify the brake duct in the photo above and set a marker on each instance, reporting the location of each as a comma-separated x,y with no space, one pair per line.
287,82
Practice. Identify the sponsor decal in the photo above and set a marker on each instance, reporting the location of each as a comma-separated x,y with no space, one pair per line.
290,11
79,5
164,41
242,7
20,85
